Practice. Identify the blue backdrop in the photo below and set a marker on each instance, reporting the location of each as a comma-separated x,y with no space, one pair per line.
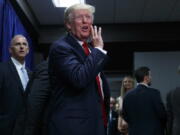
11,25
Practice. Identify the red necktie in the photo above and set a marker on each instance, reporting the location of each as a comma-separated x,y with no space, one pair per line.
87,52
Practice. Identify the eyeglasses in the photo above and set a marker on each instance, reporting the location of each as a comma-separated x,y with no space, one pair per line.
81,17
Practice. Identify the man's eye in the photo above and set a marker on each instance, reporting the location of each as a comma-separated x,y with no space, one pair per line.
17,43
25,44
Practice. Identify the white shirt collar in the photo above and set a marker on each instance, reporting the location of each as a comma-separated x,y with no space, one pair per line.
79,41
143,84
17,64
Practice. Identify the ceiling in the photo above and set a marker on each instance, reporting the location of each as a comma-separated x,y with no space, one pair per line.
111,11
128,26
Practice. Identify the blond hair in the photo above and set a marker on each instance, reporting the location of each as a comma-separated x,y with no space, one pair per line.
123,90
68,11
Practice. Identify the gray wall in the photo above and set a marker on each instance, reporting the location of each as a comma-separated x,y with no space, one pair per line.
164,66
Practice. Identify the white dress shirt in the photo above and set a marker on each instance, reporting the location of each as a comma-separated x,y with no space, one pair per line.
23,76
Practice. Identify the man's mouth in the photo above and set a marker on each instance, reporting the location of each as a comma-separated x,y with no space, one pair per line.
21,51
85,28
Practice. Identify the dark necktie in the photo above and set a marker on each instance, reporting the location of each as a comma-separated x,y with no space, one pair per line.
87,52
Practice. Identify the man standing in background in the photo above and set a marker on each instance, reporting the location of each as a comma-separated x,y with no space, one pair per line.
143,108
37,101
13,80
80,91
173,110
113,118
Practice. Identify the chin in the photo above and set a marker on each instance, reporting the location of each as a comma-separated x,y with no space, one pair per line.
85,37
86,33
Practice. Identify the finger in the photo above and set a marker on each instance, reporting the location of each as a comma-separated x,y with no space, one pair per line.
95,31
99,31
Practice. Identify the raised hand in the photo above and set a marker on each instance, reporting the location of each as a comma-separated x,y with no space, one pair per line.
96,37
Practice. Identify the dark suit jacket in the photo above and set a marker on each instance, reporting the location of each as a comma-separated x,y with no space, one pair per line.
37,99
173,111
12,100
144,111
112,124
76,109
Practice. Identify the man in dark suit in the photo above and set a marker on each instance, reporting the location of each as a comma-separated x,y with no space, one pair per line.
143,108
13,80
80,90
37,100
173,112
113,118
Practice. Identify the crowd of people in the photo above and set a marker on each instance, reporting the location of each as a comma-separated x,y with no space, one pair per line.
68,94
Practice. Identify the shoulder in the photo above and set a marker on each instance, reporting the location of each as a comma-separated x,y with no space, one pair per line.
130,93
42,65
174,92
147,89
154,90
5,68
60,42
4,65
41,69
61,45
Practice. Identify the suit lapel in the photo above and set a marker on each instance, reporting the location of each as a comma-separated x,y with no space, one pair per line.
29,73
77,47
15,75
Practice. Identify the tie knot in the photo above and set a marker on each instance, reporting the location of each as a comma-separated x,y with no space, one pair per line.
22,68
85,44
85,47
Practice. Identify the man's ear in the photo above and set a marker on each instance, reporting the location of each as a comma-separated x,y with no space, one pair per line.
146,78
28,50
10,50
68,26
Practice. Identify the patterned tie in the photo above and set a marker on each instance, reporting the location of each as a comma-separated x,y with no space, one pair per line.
87,52
24,78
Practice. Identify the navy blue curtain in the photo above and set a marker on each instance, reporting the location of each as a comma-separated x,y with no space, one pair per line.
11,25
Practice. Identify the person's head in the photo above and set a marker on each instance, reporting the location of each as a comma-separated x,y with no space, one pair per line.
78,20
112,103
19,48
127,84
143,75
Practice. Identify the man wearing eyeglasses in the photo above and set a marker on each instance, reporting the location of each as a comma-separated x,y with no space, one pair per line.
80,99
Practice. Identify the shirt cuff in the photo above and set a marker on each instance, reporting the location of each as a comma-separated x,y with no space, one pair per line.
102,50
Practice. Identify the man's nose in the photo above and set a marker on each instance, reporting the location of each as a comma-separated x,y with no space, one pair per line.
22,46
84,18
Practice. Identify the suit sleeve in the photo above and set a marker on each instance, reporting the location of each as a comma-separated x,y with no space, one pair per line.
123,111
74,69
37,99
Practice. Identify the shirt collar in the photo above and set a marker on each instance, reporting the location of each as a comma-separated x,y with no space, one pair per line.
143,84
79,41
17,63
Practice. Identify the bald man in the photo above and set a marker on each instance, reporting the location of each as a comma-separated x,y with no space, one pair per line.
13,79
